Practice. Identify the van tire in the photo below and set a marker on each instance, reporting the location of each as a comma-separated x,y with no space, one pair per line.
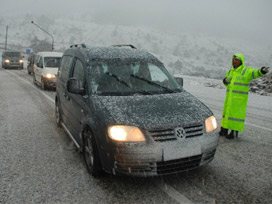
91,154
34,78
43,84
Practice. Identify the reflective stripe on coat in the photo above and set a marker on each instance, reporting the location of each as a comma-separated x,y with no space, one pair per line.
234,112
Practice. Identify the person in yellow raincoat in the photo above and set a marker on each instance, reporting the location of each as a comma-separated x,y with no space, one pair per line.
237,81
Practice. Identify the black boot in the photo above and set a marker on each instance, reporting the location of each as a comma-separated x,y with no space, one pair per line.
223,132
233,134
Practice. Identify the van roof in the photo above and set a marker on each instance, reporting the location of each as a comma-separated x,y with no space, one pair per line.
10,51
118,52
50,54
113,53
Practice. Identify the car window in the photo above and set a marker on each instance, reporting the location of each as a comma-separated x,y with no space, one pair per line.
65,67
12,54
125,77
31,59
36,59
52,61
78,73
41,61
96,71
156,74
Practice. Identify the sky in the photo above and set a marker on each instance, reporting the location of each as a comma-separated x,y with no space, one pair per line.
240,19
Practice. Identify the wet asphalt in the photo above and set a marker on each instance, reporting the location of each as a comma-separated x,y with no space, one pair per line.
40,164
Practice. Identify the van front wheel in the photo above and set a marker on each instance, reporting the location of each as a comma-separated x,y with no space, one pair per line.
90,154
34,78
43,84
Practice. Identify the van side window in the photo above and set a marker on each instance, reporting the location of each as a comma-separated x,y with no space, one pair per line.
65,67
36,60
79,73
156,73
40,62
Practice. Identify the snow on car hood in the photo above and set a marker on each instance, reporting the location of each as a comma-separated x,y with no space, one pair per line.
152,111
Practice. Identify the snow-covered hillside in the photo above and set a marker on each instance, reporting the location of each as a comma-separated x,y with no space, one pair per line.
261,86
182,53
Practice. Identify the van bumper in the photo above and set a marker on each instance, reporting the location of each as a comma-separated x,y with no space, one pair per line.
158,159
13,65
51,82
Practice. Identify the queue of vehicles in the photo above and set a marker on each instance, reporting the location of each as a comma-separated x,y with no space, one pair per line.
125,112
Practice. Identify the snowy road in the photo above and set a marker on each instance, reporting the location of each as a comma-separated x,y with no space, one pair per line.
39,163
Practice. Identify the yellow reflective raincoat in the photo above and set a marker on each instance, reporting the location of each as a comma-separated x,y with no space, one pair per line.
235,105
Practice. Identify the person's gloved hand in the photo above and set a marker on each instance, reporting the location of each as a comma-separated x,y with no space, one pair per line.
227,80
265,70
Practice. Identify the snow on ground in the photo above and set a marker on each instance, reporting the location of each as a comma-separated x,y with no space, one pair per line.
256,85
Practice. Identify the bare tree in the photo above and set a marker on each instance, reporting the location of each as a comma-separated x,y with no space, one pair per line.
40,45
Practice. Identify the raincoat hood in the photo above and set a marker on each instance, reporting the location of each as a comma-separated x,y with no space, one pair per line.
242,60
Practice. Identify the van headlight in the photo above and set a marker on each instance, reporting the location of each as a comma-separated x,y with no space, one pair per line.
124,133
50,76
7,61
21,61
210,124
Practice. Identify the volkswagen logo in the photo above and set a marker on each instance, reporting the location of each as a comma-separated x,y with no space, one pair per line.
180,132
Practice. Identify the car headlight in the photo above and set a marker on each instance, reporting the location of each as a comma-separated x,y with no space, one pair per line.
21,61
7,61
210,124
49,76
124,133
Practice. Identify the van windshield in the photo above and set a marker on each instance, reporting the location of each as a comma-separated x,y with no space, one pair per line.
130,77
52,62
11,54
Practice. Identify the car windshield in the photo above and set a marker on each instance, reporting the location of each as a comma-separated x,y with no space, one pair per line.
12,54
52,61
130,77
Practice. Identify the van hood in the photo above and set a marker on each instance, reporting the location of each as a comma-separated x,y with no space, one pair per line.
152,111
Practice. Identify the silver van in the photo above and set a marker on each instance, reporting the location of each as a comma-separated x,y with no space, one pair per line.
45,69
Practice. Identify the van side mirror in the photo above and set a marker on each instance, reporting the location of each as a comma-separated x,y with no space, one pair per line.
73,86
40,65
179,80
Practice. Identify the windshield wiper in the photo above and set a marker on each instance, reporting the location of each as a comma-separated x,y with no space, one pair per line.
153,83
127,84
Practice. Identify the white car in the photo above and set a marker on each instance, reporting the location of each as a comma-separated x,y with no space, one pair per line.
46,68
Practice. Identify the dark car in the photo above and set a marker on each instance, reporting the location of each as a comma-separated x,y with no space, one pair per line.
128,114
12,59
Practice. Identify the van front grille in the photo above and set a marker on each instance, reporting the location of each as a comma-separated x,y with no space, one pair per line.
161,135
178,165
193,131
